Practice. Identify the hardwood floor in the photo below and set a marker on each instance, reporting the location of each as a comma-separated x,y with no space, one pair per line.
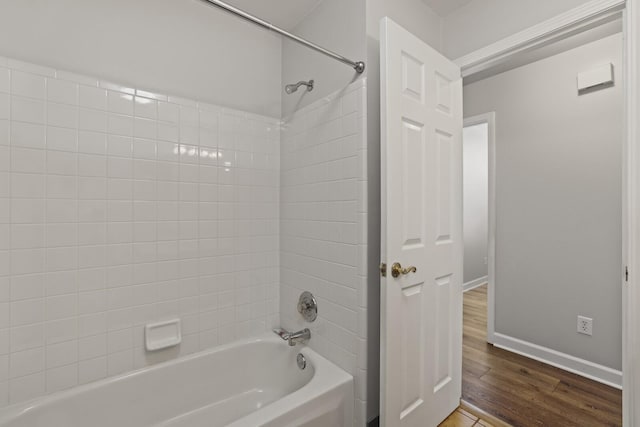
524,392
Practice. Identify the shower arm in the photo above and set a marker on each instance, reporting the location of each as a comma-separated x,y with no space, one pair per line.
359,66
295,86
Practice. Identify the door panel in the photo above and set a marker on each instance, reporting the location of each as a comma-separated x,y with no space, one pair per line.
421,310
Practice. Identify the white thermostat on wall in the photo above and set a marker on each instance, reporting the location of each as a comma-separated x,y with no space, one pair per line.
601,76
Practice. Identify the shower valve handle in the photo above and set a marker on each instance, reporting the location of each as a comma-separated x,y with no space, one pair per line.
308,306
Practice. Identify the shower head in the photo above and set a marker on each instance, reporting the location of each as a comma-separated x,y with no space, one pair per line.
294,87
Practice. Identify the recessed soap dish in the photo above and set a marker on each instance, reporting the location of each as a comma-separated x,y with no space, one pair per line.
162,335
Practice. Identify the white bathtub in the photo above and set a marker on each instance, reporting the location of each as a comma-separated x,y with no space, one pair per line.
245,384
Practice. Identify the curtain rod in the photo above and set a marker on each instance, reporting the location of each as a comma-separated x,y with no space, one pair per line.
359,66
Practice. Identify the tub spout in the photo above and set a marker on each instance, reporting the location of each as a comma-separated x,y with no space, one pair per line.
299,337
294,338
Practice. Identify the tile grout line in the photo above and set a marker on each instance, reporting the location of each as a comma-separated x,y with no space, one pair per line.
77,215
10,255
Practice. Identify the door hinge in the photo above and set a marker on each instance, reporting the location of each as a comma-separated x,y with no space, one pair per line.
626,273
383,269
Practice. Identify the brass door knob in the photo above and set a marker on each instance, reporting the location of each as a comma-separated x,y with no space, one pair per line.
397,270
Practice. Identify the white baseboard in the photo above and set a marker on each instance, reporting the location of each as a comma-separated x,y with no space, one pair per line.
584,368
474,284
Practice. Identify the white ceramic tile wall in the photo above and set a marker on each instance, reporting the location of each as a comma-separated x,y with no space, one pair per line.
324,229
119,207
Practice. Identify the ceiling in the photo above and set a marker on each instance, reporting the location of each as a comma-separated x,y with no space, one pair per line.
282,13
445,7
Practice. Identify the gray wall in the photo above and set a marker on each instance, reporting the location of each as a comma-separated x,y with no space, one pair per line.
558,195
482,22
475,160
178,47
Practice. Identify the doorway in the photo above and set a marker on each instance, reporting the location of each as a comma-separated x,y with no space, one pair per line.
479,210
475,202
558,186
408,86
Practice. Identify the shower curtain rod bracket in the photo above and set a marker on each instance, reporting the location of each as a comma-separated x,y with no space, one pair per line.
359,66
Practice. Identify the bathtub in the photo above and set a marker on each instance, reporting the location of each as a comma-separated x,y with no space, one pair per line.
248,383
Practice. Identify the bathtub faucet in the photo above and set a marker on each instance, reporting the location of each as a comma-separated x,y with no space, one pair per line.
294,337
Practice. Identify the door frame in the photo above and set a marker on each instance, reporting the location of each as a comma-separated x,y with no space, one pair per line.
587,16
490,120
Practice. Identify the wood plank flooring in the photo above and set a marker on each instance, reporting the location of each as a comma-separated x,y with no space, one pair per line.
524,392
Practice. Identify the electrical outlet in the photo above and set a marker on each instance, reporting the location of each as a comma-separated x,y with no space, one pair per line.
486,260
585,325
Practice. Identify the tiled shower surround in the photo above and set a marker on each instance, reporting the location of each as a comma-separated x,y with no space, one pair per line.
119,207
324,229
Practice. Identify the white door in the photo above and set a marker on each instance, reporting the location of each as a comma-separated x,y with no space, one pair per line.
421,310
